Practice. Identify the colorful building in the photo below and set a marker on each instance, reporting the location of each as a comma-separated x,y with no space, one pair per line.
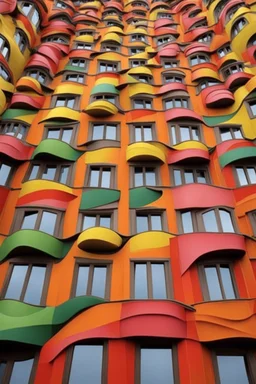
127,192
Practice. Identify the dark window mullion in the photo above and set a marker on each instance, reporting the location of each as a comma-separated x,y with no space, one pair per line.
149,280
220,281
218,219
90,280
25,283
100,177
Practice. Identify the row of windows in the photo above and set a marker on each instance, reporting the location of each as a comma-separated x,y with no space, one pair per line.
87,363
143,175
149,280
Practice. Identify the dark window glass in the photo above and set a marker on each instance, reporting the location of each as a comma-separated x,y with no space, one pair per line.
150,281
219,282
86,366
156,366
91,280
5,171
232,369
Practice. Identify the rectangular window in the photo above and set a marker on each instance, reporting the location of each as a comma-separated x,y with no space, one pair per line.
230,133
61,173
144,176
101,177
64,134
167,63
156,365
224,51
81,63
234,369
187,175
104,131
84,46
149,222
108,66
18,130
92,279
142,104
109,98
5,173
137,63
218,281
151,280
143,132
75,78
27,282
134,51
21,371
245,174
38,219
170,78
105,219
177,102
68,101
252,108
180,133
85,364
110,47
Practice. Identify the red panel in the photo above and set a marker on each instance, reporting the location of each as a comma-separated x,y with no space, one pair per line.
162,22
170,51
175,156
201,196
3,196
51,198
41,61
165,31
238,79
181,113
232,144
14,148
242,192
20,100
195,48
218,96
7,6
172,87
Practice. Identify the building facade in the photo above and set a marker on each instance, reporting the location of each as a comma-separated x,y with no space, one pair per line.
127,192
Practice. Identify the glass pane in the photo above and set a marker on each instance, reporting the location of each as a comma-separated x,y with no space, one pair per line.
140,281
21,372
156,222
29,220
226,222
105,180
201,177
141,223
195,134
177,177
210,222
64,174
66,135
35,285
237,133
2,370
89,221
99,281
4,173
173,132
82,280
60,102
158,281
232,370
213,283
111,132
148,134
138,134
70,103
49,173
48,222
184,133
53,134
86,364
94,178
227,282
187,224
16,282
241,176
138,177
105,221
34,171
156,366
189,178
98,132
150,176
225,134
252,175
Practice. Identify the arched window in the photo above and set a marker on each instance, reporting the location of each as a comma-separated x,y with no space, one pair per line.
21,39
238,26
4,48
30,10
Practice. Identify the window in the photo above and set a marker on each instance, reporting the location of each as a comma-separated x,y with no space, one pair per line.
4,47
110,47
180,133
27,282
86,32
37,74
18,130
86,363
143,132
92,279
104,131
21,40
238,26
138,38
61,173
233,10
157,365
64,134
109,98
108,66
164,40
167,63
30,11
151,280
57,39
173,78
142,104
81,63
20,371
77,78
231,69
219,8
65,101
4,73
134,51
217,281
38,219
144,176
144,78
230,133
245,174
137,63
224,51
105,219
61,5
205,38
235,368
161,15
149,221
187,175
252,108
213,220
101,177
199,59
208,83
85,46
5,173
176,102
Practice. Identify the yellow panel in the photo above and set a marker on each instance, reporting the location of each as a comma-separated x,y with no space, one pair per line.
140,70
99,238
2,101
190,145
105,155
139,88
148,240
101,108
62,113
109,56
85,38
6,86
69,88
112,36
39,185
107,80
145,151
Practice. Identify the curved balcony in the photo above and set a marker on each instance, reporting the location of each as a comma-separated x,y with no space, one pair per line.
172,87
7,6
32,240
199,155
238,79
28,84
38,60
217,96
62,113
98,197
145,152
139,197
244,152
182,113
101,108
19,100
149,240
14,148
56,148
141,88
99,239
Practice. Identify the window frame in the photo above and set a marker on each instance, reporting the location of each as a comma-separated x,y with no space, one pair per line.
31,12
12,124
79,60
245,167
186,124
74,74
13,357
38,72
249,108
105,45
194,168
226,48
5,44
113,175
198,57
143,100
144,167
231,129
61,130
92,125
106,63
43,165
98,213
148,212
142,126
66,100
23,39
235,29
167,60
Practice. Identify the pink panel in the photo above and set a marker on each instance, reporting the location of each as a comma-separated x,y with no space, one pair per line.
175,156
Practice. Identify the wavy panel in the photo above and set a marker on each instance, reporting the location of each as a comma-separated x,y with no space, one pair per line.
142,196
98,197
14,148
57,149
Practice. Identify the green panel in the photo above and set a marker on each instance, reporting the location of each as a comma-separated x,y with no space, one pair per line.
211,121
74,69
104,88
35,325
12,113
36,240
57,149
143,196
237,154
97,197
